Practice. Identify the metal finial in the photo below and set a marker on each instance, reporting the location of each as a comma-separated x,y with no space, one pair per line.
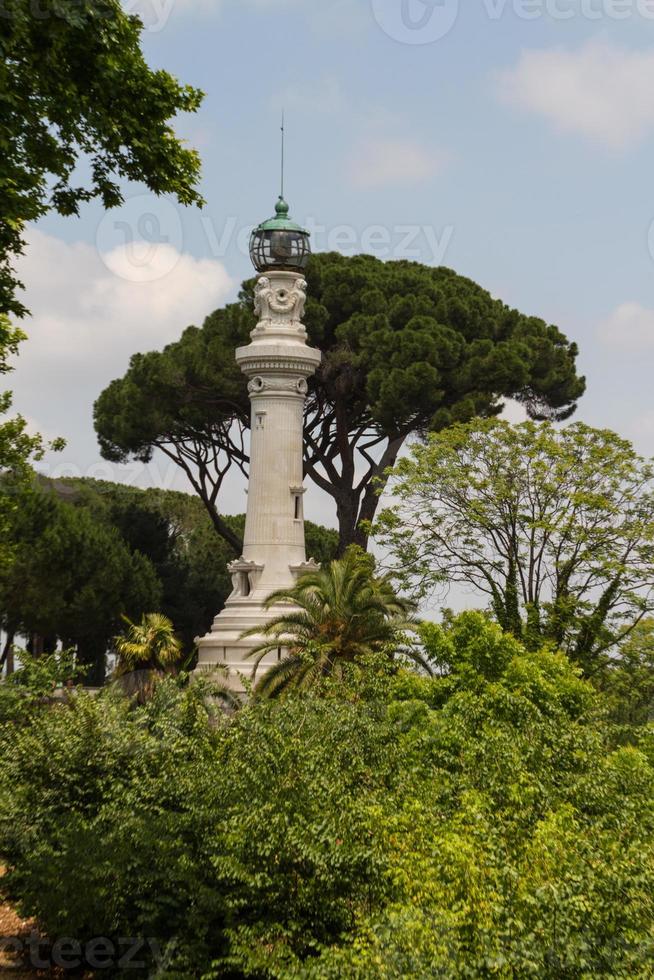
283,134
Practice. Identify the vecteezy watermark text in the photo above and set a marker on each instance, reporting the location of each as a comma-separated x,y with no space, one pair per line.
426,21
422,243
99,953
153,14
593,10
143,241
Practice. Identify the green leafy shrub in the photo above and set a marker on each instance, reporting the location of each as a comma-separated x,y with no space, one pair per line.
474,824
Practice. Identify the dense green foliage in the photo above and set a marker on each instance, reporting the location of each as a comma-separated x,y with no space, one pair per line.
330,618
553,527
88,553
172,530
406,348
73,87
475,824
18,448
72,578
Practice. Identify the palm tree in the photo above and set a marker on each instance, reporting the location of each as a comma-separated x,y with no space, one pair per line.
334,616
150,648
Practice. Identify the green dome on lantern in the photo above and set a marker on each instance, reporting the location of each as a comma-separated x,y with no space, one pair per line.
281,220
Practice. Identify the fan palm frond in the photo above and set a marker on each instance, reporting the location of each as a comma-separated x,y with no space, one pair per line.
150,644
330,617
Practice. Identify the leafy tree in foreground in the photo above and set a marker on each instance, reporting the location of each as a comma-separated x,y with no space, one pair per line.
75,88
32,684
337,616
554,527
407,349
474,825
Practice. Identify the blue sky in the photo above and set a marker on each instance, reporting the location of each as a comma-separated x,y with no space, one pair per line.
515,148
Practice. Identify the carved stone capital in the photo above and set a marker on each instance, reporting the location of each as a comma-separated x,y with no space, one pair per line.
283,299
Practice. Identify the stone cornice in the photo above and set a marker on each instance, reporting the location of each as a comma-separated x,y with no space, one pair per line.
253,360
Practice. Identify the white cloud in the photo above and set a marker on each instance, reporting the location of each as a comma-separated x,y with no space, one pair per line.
331,18
83,301
378,162
323,97
629,328
89,317
602,90
643,427
156,14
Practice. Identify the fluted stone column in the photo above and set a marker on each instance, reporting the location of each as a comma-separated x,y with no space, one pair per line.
277,364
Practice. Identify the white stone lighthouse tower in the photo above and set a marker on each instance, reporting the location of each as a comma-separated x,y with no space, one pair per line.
277,364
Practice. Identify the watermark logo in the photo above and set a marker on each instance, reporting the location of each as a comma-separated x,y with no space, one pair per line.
426,21
412,242
416,21
154,14
142,240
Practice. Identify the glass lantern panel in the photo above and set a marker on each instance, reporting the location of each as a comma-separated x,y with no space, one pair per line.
279,249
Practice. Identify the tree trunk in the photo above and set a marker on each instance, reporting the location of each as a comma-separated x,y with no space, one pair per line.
7,658
35,645
347,514
356,514
91,659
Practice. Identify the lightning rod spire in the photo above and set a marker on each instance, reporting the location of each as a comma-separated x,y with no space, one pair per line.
283,136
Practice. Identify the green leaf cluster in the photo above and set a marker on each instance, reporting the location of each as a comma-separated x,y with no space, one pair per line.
75,90
627,679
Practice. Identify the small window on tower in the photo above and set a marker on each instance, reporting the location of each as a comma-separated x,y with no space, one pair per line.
261,418
297,503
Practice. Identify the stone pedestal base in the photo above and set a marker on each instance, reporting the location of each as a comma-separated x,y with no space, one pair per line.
224,648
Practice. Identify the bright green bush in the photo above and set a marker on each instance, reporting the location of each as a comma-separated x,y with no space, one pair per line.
477,824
